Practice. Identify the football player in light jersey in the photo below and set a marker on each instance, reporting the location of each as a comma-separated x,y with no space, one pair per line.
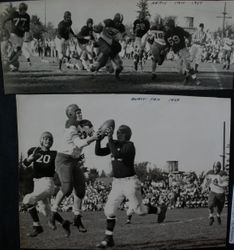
198,41
175,40
155,37
125,182
217,182
227,51
140,27
64,33
20,26
78,134
43,161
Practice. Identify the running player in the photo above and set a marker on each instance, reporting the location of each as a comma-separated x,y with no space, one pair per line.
140,27
198,42
43,161
125,183
175,39
20,26
217,182
227,51
64,33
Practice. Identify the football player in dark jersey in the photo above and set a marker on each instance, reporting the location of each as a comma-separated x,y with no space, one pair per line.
125,182
42,160
140,27
108,45
85,41
64,33
175,39
20,26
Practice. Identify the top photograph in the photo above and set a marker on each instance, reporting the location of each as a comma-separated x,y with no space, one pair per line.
118,46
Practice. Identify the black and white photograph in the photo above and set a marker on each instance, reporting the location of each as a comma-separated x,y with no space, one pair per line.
119,46
128,171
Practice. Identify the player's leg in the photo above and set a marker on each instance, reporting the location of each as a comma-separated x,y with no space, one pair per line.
60,49
119,65
136,55
211,205
220,205
198,57
79,193
190,74
43,188
64,168
132,191
114,200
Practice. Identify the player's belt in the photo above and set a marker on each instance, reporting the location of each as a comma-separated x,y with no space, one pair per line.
126,178
116,159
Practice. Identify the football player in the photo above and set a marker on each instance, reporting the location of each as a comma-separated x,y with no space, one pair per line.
227,51
64,33
85,41
43,161
78,134
108,43
155,37
125,182
175,39
140,27
216,181
198,41
20,26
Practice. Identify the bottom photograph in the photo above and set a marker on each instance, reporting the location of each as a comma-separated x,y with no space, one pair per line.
126,171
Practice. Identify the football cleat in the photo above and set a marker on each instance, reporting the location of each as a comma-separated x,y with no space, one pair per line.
162,214
66,227
118,71
36,230
211,220
107,242
78,223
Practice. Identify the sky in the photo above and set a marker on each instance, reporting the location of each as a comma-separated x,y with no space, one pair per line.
185,129
81,10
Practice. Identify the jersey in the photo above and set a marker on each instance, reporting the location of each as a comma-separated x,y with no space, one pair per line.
64,30
140,27
19,23
217,179
199,37
85,35
175,38
228,43
68,146
157,36
44,165
122,157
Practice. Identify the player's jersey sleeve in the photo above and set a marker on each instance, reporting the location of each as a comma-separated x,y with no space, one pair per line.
101,151
30,151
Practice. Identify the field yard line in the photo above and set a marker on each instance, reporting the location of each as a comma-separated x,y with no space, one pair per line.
218,78
190,220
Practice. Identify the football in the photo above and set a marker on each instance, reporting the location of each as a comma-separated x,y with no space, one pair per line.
107,124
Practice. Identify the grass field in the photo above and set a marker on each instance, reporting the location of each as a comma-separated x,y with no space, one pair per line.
43,77
182,229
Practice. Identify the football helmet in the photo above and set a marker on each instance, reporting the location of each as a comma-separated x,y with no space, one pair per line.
44,135
23,7
118,18
71,110
126,130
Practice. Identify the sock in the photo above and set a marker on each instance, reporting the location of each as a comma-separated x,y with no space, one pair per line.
58,217
60,63
110,224
129,217
33,212
153,210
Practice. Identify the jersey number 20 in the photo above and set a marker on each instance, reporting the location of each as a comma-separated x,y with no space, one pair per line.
44,159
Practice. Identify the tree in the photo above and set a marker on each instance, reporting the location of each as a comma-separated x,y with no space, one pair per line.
103,174
156,174
93,174
7,12
141,170
143,8
50,31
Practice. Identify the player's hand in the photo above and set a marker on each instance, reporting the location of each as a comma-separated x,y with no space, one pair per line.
109,132
34,156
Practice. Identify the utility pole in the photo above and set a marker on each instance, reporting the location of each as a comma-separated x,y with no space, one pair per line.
224,17
45,13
